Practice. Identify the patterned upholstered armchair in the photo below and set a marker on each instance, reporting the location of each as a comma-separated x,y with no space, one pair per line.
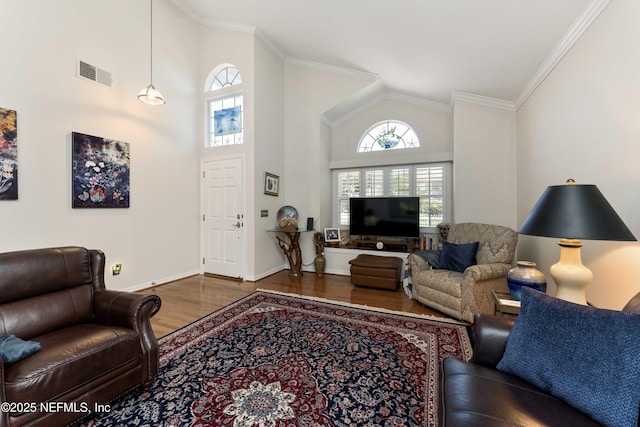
463,294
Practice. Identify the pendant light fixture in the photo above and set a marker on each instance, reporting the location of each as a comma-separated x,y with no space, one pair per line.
150,95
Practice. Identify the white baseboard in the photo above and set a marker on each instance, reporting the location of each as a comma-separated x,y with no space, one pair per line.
161,281
265,274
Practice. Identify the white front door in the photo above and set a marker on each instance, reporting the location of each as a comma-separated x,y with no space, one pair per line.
223,217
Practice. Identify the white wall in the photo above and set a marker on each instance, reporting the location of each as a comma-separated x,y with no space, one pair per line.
582,123
156,239
309,92
484,178
267,257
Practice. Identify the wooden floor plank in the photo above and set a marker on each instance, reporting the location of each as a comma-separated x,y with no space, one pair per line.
189,299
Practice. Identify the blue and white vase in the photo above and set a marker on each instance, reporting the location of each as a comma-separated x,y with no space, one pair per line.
525,274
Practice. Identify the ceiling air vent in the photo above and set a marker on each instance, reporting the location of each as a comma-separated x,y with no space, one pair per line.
93,73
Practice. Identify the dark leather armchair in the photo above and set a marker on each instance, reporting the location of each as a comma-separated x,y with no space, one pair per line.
476,394
95,343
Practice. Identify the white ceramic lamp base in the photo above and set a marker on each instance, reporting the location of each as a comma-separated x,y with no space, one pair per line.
570,275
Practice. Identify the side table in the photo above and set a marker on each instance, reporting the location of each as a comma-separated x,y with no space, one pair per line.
505,304
291,249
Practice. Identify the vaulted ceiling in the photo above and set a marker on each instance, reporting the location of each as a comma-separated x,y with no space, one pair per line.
426,49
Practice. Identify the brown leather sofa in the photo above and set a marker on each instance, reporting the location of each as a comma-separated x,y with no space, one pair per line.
476,394
95,343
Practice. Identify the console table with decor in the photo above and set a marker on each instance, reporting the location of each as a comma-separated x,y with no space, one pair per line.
291,248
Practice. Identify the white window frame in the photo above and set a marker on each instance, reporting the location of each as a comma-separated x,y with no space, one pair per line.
447,195
211,95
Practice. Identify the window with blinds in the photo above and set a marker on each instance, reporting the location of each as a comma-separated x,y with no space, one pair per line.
430,182
347,185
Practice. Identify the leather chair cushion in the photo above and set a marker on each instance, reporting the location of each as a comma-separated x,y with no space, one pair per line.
48,312
68,358
633,306
478,396
26,274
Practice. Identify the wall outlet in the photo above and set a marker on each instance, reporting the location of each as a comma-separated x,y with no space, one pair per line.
116,269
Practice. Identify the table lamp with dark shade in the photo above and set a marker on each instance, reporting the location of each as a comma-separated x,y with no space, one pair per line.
572,212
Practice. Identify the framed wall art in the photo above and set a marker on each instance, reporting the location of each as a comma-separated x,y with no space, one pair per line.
8,154
271,184
100,172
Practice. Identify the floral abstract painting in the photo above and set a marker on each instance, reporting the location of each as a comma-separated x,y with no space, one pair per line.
100,172
8,155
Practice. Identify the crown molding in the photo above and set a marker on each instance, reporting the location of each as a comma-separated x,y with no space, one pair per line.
271,45
420,102
369,96
359,101
482,100
226,25
332,69
584,21
232,26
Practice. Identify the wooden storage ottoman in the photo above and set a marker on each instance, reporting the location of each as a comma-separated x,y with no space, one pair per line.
376,271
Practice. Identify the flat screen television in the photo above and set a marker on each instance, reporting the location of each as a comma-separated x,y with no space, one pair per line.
384,216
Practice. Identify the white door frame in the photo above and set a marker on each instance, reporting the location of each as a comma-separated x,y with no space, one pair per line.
243,260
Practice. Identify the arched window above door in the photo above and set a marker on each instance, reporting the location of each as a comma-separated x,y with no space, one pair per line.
222,76
224,106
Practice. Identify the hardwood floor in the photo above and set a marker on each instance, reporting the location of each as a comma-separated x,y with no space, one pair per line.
189,299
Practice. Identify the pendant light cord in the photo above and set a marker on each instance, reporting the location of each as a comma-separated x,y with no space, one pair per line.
151,42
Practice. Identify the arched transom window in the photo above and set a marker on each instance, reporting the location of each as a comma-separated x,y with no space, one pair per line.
388,135
227,76
225,110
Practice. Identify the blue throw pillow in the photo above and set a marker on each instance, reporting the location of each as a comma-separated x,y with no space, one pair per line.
432,256
588,357
13,349
457,257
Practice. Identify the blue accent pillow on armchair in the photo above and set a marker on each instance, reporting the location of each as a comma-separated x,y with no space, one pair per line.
457,257
588,357
13,349
432,256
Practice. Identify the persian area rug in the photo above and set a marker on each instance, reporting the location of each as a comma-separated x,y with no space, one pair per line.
275,359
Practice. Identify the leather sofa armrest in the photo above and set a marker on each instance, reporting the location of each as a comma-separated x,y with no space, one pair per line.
633,306
490,335
132,310
126,309
480,272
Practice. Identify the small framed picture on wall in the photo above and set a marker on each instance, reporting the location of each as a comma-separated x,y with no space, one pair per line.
271,184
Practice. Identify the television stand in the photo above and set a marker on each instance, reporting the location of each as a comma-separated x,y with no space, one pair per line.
382,245
366,245
397,247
